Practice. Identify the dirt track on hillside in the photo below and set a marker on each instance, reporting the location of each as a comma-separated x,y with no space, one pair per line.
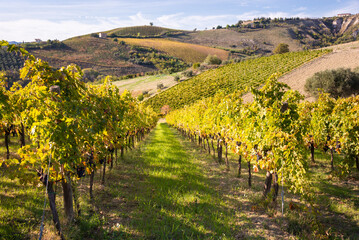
343,56
147,83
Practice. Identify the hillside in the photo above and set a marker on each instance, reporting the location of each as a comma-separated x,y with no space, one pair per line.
343,56
139,85
102,55
231,77
122,54
10,61
144,31
250,42
141,49
189,53
262,35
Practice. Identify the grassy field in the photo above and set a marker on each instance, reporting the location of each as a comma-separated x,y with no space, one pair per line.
142,31
190,53
146,83
168,188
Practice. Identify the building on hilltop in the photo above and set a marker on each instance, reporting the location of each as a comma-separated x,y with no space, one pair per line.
38,40
102,35
344,14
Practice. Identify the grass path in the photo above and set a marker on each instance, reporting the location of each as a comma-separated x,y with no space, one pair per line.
171,195
168,188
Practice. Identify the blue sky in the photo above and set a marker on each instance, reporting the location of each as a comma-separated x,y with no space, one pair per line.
22,20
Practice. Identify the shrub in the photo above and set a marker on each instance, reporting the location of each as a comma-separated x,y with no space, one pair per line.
188,73
213,59
90,75
202,67
227,62
237,60
338,83
177,78
196,65
160,86
140,97
281,48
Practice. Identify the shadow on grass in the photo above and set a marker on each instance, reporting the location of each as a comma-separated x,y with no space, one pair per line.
20,209
162,193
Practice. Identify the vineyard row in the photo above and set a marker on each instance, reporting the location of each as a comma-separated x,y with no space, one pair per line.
74,128
275,131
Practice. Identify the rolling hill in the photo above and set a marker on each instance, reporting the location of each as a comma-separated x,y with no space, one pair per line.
188,52
103,55
232,77
141,49
144,31
118,56
342,56
262,35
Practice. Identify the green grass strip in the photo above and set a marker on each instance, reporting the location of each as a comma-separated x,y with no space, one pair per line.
177,199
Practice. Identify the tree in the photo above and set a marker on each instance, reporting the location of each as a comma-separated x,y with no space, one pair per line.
338,83
213,59
140,97
281,48
151,23
177,78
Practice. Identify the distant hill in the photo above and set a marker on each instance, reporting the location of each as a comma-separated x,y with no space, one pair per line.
126,51
102,55
188,52
141,49
262,35
144,31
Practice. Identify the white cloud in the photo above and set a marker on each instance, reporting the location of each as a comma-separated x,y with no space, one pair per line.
29,29
300,9
350,7
138,19
180,21
256,14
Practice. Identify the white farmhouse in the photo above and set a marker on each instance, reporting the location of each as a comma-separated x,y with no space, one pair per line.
102,35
